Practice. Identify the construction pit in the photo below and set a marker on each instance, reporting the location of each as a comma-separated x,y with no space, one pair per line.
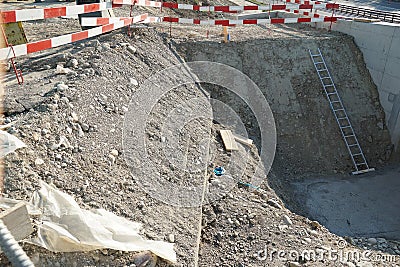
307,203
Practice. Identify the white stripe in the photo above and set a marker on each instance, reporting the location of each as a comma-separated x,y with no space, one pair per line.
29,14
185,20
207,22
61,40
73,10
236,22
20,50
291,20
184,6
236,8
317,19
95,31
263,21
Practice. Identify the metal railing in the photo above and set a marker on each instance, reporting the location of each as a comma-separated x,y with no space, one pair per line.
370,13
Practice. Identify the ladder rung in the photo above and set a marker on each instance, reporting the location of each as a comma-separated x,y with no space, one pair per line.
329,85
326,77
341,118
359,164
319,62
353,145
332,93
339,109
322,70
344,127
336,101
316,55
351,135
358,154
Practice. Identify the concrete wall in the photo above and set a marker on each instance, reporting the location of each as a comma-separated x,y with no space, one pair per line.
380,45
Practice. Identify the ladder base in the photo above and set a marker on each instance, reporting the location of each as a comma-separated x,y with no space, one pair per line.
363,171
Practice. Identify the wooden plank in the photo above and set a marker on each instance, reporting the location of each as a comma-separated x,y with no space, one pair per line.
228,140
243,140
17,221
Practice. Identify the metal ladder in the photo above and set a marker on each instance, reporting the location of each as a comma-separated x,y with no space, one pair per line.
349,137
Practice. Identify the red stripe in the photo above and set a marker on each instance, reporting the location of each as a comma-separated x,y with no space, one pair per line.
277,21
249,21
326,19
127,21
91,8
222,8
196,7
102,21
330,5
116,5
251,8
170,19
8,16
38,46
170,5
278,7
305,6
304,20
107,28
79,36
196,21
55,12
223,22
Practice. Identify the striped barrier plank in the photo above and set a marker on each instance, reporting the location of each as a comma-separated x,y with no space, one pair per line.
228,9
24,49
90,22
227,22
53,12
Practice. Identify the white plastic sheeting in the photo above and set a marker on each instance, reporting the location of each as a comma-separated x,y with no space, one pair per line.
66,227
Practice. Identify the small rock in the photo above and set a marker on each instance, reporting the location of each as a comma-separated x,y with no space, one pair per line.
380,125
350,264
381,240
274,203
372,241
73,63
369,138
133,81
315,225
145,259
61,70
36,136
131,49
114,152
106,46
85,127
171,238
74,117
220,235
39,161
294,264
62,87
112,158
287,220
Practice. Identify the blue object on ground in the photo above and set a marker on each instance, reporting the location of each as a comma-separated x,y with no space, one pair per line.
219,170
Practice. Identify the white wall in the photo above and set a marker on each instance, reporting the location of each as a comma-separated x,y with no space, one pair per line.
380,45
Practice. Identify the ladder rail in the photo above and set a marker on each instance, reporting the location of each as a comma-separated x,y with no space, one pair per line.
343,120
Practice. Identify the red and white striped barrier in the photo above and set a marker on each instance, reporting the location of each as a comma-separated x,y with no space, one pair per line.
138,3
228,22
53,12
304,13
24,49
102,21
228,9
